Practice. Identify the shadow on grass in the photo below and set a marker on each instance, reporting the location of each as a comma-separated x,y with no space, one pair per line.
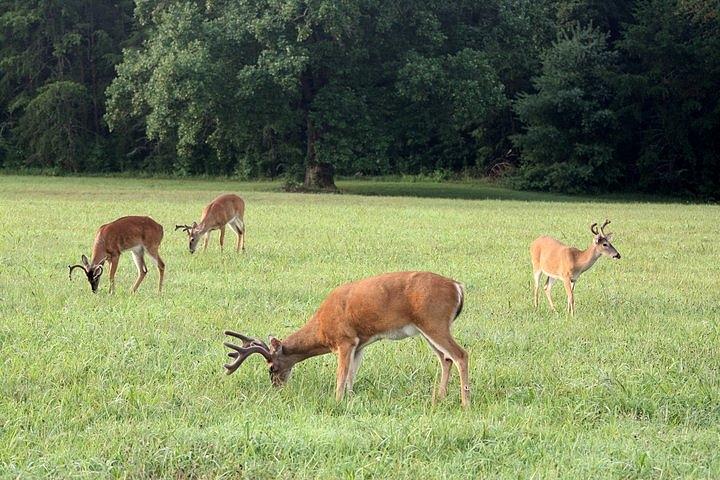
482,191
390,187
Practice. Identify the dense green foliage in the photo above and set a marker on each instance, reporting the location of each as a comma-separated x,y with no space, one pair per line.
56,60
669,95
568,143
132,386
572,95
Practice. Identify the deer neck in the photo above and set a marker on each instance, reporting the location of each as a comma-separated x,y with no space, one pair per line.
587,258
304,343
99,252
202,227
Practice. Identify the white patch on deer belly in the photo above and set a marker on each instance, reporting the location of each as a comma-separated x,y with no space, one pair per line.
399,334
551,275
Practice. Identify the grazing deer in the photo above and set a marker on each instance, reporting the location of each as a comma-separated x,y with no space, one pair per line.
224,210
137,234
559,261
391,306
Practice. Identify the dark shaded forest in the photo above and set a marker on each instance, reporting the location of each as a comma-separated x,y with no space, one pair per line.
568,96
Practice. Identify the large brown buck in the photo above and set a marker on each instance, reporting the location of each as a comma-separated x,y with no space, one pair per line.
391,306
137,234
225,210
558,261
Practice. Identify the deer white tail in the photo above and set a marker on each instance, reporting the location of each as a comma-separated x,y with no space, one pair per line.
461,299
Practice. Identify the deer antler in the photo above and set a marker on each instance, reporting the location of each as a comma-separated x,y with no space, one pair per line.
247,341
593,229
603,227
185,228
241,353
73,267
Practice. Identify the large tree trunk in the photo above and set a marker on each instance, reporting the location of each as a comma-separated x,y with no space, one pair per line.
318,176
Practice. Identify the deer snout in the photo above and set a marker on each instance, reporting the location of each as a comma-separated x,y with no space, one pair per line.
616,256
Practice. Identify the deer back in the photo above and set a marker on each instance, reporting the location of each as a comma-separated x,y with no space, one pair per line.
221,210
551,255
378,305
125,233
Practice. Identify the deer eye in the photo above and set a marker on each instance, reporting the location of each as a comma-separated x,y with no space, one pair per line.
605,244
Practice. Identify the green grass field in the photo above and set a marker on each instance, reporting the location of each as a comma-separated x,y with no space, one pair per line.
133,386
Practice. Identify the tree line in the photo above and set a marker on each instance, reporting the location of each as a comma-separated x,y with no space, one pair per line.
571,96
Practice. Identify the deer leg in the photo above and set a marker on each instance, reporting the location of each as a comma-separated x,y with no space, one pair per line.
114,260
354,366
445,371
141,268
345,354
239,230
222,237
235,229
536,291
207,240
441,339
155,255
570,296
548,286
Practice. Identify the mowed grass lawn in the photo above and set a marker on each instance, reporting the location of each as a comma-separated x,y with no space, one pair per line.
133,385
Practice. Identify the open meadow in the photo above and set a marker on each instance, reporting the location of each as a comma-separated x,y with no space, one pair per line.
129,385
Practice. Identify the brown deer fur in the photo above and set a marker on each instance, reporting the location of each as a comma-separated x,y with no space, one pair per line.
227,209
558,261
390,306
138,234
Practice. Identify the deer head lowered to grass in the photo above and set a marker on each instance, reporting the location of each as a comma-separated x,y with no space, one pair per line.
138,234
558,261
391,306
225,210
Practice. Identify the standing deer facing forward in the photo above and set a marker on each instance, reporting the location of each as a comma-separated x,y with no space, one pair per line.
559,261
225,210
137,234
391,306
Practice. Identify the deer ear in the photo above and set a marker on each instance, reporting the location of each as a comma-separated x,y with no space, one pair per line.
194,225
275,345
608,237
85,261
597,239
